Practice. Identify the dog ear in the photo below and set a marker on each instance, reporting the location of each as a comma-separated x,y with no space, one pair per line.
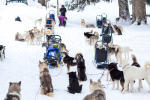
40,62
91,81
19,83
10,83
99,81
45,61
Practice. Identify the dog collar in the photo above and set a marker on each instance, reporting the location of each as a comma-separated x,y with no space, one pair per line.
15,94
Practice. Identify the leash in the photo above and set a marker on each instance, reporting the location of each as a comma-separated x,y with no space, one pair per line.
58,73
94,74
102,75
37,93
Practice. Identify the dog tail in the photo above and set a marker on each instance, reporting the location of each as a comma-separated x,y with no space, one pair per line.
80,89
134,59
147,65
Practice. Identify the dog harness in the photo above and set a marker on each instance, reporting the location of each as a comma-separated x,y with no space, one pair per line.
13,95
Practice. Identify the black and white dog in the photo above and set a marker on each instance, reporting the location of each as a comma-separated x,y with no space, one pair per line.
116,75
70,61
74,86
2,52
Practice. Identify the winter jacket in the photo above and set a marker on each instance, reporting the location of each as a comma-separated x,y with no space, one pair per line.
63,11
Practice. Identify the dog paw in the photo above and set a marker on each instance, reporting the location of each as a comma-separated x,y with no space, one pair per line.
123,92
42,91
50,94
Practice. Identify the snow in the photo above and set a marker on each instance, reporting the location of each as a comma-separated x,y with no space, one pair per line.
21,63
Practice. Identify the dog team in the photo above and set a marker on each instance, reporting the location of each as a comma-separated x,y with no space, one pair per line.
126,77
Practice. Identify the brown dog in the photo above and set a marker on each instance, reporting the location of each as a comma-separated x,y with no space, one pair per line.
45,79
94,38
90,26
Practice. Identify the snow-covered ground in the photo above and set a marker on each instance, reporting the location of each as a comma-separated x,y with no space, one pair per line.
21,63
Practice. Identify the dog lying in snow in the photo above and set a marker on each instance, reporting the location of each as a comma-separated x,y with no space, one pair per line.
90,26
19,37
92,38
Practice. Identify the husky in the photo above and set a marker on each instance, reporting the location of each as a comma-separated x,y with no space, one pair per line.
116,75
118,51
90,26
81,67
74,86
19,37
14,91
117,29
34,37
94,38
82,23
70,61
45,79
97,91
88,34
63,47
2,52
132,73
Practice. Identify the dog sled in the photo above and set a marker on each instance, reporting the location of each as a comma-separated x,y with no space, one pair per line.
101,54
100,19
16,1
52,14
53,50
101,47
50,20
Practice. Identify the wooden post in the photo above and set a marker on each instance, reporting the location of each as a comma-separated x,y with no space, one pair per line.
57,8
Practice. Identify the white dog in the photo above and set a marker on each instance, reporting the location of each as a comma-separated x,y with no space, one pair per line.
119,52
132,73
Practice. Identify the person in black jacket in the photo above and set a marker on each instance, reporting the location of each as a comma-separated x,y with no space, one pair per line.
63,10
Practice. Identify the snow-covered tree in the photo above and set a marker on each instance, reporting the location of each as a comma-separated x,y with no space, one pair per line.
124,10
42,2
139,11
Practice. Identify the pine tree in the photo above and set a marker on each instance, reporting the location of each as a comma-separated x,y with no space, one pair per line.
139,11
42,2
124,10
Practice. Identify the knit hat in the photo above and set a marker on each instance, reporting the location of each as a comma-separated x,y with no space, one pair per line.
62,6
